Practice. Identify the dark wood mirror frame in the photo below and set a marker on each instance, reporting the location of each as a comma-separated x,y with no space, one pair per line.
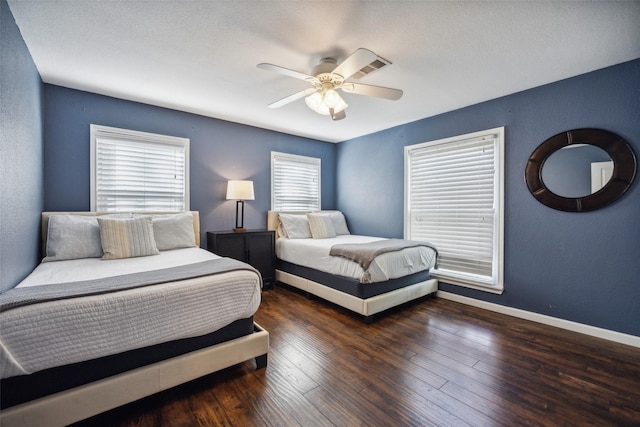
624,169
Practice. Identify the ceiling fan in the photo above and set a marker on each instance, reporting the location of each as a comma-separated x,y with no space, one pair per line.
329,76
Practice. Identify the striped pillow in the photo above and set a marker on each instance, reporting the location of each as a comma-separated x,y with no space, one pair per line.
321,226
127,237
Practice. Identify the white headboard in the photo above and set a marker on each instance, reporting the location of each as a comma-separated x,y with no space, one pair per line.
273,220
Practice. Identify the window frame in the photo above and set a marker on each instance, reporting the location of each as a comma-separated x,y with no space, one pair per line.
301,160
129,136
495,283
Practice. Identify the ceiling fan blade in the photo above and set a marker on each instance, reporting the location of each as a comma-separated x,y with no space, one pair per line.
286,71
369,90
355,62
292,98
337,116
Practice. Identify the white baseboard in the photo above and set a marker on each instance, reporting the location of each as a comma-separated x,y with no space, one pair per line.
606,334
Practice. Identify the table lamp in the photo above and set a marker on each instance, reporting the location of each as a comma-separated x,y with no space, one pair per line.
240,191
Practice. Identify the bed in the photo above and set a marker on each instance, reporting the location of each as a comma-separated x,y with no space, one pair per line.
391,279
82,334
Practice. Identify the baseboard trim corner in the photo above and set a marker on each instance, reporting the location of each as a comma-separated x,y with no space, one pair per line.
594,331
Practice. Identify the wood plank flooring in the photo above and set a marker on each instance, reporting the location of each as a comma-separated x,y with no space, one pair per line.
434,363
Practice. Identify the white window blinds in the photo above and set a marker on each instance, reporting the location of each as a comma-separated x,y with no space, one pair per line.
454,200
295,182
137,171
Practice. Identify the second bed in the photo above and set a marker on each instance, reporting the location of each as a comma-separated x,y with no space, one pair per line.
390,279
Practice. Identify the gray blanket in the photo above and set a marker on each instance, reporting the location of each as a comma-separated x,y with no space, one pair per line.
365,253
18,297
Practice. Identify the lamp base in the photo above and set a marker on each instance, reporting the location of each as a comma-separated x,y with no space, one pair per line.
239,228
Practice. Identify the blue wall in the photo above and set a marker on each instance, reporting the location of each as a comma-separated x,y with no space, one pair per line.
20,155
583,267
220,151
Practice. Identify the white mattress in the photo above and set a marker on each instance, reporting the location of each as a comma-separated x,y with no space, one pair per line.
41,336
314,253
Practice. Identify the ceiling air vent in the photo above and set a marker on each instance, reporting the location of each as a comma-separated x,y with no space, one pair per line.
368,69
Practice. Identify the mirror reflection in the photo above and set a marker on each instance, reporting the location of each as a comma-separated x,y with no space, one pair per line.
577,170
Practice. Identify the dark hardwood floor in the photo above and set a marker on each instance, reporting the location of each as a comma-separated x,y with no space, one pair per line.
434,363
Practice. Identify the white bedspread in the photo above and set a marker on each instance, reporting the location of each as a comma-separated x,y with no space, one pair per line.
41,336
314,253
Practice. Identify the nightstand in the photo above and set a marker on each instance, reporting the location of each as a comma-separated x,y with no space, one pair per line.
255,247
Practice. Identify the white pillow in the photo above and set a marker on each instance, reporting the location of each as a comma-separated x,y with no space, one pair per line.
295,226
321,226
127,237
281,231
339,222
72,237
174,231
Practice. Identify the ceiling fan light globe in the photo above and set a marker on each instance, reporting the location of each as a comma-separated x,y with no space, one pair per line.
341,106
317,101
322,109
314,101
331,98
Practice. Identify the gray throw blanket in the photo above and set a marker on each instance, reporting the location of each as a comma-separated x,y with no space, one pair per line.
365,253
18,297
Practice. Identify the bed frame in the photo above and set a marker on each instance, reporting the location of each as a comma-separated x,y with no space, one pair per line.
85,401
78,403
323,286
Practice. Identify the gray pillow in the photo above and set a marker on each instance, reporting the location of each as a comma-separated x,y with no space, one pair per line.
174,231
72,237
296,226
339,222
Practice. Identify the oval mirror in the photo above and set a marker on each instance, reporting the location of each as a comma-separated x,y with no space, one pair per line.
580,170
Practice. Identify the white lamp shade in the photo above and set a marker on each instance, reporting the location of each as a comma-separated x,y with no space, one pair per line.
240,190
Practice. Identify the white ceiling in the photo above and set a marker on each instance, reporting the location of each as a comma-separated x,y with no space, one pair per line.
201,56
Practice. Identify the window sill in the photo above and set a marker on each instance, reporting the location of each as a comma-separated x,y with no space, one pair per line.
469,283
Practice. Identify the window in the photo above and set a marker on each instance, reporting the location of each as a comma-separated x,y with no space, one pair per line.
138,171
454,199
295,182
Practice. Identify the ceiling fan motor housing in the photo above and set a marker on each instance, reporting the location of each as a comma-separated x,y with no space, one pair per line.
326,65
323,72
